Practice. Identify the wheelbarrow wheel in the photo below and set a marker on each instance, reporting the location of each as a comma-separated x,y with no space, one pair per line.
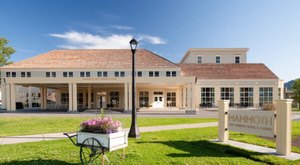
90,151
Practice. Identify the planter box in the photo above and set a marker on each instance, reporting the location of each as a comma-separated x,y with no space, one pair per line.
111,141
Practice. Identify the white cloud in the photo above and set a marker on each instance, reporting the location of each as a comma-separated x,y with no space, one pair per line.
80,40
152,39
121,27
77,40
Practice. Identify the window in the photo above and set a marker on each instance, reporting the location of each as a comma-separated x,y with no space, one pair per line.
117,74
156,74
47,74
35,99
279,93
70,74
173,73
246,97
207,97
228,94
28,74
168,73
53,74
99,74
122,74
265,96
114,98
13,74
65,74
237,59
140,74
7,74
199,59
143,98
171,99
23,74
64,98
80,99
157,93
82,74
218,59
104,74
150,73
88,74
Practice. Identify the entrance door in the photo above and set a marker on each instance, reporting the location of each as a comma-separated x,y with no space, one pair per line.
101,100
158,101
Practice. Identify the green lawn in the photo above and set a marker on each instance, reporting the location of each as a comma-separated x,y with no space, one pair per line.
187,146
296,110
34,125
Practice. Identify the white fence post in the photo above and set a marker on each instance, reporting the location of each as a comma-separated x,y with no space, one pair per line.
283,126
223,120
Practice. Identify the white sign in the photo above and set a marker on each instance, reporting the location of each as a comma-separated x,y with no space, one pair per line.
252,121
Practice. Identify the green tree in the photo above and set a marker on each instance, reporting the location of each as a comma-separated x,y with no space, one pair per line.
296,91
5,52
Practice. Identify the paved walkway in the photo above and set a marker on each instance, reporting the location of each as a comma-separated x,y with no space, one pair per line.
55,136
260,149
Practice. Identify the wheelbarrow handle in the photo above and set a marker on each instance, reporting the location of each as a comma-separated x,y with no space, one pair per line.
70,137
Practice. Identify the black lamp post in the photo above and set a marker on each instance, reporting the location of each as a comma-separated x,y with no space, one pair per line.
134,130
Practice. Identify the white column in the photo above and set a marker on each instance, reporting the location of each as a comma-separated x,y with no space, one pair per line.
126,96
42,97
29,97
197,95
130,96
283,126
189,97
255,96
3,95
45,97
193,99
75,97
13,97
217,95
184,98
8,92
89,97
223,120
236,95
70,96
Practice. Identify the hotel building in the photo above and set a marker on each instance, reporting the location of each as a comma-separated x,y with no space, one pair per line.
85,79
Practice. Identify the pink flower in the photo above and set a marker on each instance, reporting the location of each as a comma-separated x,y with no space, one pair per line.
101,125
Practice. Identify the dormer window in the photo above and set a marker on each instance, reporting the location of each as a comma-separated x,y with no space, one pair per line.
237,59
199,59
218,59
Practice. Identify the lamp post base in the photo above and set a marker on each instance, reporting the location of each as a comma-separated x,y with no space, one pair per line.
134,132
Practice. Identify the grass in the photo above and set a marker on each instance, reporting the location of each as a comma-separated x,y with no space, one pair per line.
187,146
295,110
10,126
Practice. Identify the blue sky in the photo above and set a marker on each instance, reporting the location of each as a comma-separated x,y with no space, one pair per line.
269,28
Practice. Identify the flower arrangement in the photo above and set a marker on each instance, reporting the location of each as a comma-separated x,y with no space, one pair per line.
103,125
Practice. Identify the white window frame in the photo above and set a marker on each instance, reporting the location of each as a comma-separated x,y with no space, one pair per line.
201,57
219,60
235,59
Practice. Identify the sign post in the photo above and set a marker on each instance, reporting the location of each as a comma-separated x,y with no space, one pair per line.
283,126
223,120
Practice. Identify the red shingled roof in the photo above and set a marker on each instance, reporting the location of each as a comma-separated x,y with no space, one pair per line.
94,58
227,71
